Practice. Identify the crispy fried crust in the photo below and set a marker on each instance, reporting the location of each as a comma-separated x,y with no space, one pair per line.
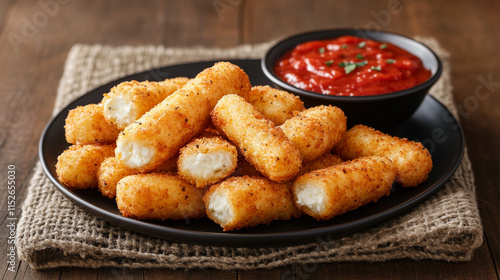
141,96
163,130
111,171
206,160
344,187
277,105
316,130
412,160
262,144
159,197
77,166
86,125
324,161
250,201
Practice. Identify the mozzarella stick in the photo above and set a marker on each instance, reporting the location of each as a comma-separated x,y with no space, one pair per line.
316,130
239,202
277,105
323,161
206,160
262,144
161,132
412,160
111,171
128,101
159,197
87,125
76,167
332,191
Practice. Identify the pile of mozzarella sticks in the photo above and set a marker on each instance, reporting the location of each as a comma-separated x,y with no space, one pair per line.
214,146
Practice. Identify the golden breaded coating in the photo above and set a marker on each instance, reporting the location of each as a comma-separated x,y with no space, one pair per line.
86,125
176,82
412,160
161,132
77,166
210,131
128,101
316,130
207,160
159,197
239,202
111,171
324,161
262,144
334,190
277,105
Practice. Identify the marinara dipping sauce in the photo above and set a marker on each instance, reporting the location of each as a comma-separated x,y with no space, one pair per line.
351,66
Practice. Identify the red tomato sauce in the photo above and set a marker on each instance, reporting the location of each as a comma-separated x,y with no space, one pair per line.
351,66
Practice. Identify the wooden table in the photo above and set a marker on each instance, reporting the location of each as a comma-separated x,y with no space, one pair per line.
36,37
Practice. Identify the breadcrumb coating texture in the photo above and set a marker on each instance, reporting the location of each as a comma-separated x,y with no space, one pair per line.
262,144
111,171
277,105
345,186
128,101
77,166
250,201
159,197
87,125
262,153
316,130
412,160
324,161
161,132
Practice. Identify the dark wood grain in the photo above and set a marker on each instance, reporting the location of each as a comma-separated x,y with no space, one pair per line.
33,48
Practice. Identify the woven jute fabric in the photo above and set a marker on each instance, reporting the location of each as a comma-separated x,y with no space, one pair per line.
53,232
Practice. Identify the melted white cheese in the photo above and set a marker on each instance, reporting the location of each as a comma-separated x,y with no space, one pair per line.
119,110
220,208
208,165
312,197
134,154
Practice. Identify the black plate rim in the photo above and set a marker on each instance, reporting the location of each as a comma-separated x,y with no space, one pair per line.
237,239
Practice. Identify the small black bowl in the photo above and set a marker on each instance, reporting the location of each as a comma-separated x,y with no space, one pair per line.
379,111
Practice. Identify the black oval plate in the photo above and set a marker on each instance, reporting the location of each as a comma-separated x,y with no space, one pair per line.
432,124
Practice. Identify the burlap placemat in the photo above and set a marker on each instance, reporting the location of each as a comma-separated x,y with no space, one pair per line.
53,232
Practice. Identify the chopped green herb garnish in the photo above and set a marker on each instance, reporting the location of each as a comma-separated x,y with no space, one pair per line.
359,56
361,63
321,50
344,46
390,61
349,68
329,62
383,46
376,68
362,44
